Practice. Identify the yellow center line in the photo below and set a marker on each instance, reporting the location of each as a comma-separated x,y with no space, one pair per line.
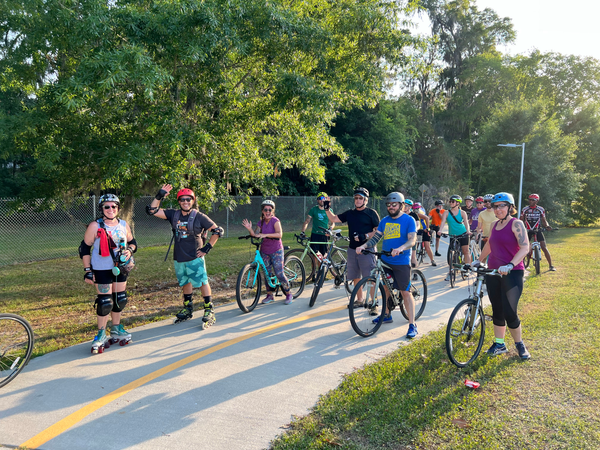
63,425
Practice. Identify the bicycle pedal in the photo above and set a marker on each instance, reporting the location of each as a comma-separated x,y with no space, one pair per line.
488,317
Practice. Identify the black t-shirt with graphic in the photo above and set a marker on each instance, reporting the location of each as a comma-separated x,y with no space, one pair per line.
359,222
185,246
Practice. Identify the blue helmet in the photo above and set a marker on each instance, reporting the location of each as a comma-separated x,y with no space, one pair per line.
408,201
503,197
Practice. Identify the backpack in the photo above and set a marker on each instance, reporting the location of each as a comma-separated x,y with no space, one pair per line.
190,227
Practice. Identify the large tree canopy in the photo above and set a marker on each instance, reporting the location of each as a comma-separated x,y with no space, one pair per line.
215,94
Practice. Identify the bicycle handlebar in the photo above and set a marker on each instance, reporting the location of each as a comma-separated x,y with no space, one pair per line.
378,254
480,269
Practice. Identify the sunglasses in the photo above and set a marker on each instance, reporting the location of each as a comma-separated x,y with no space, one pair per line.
480,203
503,205
321,198
359,197
391,205
267,209
185,199
452,201
110,206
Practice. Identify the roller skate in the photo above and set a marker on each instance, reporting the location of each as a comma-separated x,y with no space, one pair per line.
120,335
209,316
185,313
101,342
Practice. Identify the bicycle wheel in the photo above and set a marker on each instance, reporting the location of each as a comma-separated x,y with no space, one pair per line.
339,262
418,289
309,262
248,286
527,259
349,284
420,253
465,332
455,260
363,314
319,280
537,259
293,270
16,345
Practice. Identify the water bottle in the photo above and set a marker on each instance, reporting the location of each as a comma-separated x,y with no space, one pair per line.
319,256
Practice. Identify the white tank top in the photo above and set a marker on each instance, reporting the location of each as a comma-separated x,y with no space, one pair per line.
117,232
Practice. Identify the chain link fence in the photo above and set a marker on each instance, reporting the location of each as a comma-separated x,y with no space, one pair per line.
28,234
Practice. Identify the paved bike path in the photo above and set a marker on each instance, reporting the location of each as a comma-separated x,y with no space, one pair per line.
236,385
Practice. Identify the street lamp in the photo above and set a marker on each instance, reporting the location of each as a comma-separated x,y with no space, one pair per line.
522,165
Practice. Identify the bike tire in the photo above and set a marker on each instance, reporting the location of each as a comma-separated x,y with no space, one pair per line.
418,288
16,346
455,260
537,260
421,254
527,260
293,270
248,287
319,280
339,262
464,339
361,317
309,262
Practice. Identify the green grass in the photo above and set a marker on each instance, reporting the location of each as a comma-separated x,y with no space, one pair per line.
415,398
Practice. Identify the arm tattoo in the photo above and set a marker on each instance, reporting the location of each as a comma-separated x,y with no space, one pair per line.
104,288
374,240
411,239
521,233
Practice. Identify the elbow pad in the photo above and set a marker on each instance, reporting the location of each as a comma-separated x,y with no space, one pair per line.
152,210
84,249
133,242
218,231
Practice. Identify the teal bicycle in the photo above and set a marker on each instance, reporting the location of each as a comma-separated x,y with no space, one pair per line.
249,282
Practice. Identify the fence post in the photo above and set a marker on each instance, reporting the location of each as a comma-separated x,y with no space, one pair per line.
304,216
94,206
227,226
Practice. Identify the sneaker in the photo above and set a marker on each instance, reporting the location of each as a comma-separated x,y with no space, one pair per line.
412,331
374,311
447,278
433,263
523,353
497,349
288,299
552,269
268,299
386,319
438,254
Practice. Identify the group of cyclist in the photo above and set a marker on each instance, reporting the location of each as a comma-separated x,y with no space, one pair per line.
108,247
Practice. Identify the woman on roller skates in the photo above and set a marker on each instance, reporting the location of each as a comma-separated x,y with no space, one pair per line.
271,249
188,226
105,240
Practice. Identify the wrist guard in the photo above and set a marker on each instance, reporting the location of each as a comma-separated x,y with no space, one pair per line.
160,195
89,274
206,248
130,243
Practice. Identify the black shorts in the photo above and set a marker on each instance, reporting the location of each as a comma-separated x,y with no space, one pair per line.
401,276
426,235
464,240
322,248
107,277
540,235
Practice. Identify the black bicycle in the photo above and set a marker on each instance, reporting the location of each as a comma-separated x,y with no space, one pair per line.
335,261
373,294
455,258
16,345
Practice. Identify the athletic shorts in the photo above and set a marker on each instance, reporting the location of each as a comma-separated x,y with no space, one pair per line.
464,240
540,235
107,277
436,229
401,276
359,266
426,235
193,271
319,247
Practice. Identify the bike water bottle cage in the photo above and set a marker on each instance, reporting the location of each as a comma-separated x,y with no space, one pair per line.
84,249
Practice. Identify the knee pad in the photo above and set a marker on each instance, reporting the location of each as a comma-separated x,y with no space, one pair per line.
119,301
103,304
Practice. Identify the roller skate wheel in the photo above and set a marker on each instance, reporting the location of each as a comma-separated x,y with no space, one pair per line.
94,351
107,344
122,343
100,349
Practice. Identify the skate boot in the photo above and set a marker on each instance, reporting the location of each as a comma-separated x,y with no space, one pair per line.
186,312
120,335
209,316
101,342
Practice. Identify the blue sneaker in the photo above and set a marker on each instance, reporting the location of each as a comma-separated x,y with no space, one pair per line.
523,353
386,319
497,349
412,331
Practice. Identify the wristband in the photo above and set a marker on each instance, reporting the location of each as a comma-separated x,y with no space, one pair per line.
206,248
161,194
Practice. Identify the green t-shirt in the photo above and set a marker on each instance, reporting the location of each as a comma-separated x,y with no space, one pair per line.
319,219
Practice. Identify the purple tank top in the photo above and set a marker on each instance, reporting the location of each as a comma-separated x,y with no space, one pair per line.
503,245
269,246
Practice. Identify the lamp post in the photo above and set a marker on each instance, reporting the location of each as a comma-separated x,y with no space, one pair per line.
522,165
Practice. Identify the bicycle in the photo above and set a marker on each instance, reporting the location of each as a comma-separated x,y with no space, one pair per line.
421,252
337,264
535,252
465,331
474,249
16,346
455,257
249,282
362,313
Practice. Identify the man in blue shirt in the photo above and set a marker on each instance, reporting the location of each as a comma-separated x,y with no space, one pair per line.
399,233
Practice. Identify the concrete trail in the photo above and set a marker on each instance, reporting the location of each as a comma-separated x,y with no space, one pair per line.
233,386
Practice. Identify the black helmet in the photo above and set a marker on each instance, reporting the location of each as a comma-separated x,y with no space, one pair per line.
394,197
361,191
439,202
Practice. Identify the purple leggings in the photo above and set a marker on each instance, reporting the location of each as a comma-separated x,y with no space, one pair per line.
274,263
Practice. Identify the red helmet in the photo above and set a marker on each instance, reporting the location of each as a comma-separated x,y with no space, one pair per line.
186,191
534,197
479,199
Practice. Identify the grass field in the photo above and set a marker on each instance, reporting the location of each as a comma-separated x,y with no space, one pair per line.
416,398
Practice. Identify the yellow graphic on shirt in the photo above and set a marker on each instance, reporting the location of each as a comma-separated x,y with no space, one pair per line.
392,231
